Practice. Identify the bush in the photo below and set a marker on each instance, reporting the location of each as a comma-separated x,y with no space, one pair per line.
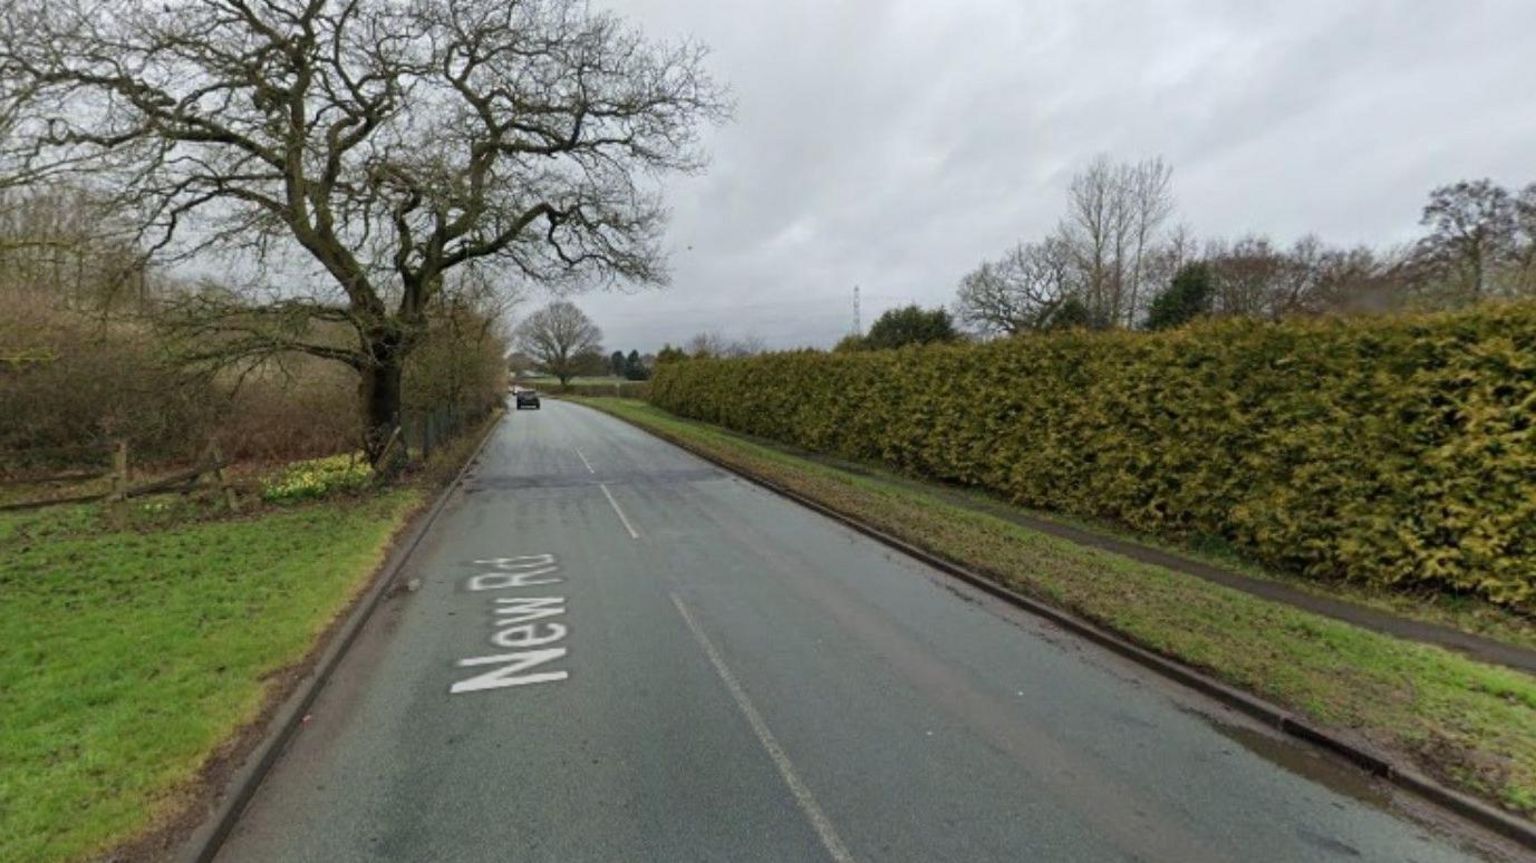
309,410
1188,297
319,477
71,381
1398,452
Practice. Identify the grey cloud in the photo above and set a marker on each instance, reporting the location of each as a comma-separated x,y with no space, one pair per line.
894,144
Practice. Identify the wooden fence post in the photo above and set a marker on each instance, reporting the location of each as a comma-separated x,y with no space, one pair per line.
119,471
217,462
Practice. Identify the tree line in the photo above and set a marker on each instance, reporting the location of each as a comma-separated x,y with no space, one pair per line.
1114,261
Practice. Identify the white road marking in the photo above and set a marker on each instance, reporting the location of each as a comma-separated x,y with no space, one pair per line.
807,802
518,625
622,517
584,460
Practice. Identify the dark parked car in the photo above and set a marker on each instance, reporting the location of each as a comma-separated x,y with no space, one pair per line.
526,398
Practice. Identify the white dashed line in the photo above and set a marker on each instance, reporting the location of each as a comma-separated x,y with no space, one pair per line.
823,825
633,534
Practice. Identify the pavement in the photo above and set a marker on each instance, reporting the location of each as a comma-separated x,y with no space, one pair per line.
618,652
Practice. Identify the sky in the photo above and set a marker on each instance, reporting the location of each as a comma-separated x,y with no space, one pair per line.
895,144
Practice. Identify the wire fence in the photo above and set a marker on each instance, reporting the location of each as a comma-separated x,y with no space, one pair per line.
425,431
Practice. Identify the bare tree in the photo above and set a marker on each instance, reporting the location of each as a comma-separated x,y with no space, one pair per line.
1151,203
706,345
1524,252
1114,215
562,340
746,346
1090,232
1472,228
1245,274
383,145
1019,292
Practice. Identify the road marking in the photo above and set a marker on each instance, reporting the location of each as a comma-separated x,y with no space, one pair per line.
615,504
584,460
517,624
802,794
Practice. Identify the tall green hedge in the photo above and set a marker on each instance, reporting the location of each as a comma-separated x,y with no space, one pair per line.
1391,451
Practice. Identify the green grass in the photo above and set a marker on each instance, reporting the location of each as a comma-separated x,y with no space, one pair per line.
135,639
1470,724
1465,612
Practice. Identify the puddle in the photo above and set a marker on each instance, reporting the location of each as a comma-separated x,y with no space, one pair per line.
948,584
1302,761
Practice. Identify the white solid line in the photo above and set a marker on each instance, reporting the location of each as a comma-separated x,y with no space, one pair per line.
615,504
584,460
807,802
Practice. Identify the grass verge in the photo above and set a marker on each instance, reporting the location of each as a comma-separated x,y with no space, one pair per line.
1471,725
136,639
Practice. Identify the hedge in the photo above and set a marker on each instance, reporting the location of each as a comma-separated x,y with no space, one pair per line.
624,389
1393,451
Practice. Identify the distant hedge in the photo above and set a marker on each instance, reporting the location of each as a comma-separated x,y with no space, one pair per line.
1395,451
625,389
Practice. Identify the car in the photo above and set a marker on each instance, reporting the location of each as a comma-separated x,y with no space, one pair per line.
526,398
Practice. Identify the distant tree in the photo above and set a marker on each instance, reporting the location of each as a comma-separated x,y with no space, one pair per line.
1525,242
1115,212
669,354
706,345
849,343
519,362
589,364
1187,297
1472,233
562,339
1075,314
1018,292
911,325
747,346
616,364
634,367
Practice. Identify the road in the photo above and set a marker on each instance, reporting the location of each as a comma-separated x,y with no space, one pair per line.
618,652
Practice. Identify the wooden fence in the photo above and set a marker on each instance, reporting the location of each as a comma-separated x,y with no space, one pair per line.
121,486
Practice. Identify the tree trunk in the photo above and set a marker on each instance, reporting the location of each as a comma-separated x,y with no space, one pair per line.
381,385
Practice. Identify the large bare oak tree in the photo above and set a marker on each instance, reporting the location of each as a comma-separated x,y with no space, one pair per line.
394,147
559,337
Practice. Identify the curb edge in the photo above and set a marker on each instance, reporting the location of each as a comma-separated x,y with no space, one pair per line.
206,839
1503,823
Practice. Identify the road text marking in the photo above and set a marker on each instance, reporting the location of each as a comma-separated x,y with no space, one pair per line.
518,624
802,794
615,504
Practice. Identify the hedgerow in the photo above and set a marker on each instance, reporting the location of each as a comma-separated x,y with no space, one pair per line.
1393,451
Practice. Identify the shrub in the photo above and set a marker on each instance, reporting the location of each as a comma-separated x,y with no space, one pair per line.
1398,452
90,381
1188,297
319,477
908,325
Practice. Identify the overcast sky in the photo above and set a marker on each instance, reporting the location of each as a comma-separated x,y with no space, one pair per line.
893,144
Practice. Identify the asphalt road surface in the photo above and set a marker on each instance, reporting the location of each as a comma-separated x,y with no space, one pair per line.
619,652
